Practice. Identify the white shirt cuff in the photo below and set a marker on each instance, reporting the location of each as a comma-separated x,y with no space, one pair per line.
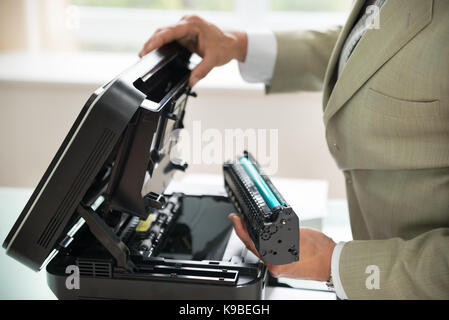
335,272
260,57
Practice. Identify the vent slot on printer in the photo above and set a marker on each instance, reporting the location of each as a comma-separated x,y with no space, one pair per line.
94,268
69,200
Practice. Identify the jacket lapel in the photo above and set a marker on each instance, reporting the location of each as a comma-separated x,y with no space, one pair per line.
400,21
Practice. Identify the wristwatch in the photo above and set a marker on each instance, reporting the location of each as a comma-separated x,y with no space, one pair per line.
330,284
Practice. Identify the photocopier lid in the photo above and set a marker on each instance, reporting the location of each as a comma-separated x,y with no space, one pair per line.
120,137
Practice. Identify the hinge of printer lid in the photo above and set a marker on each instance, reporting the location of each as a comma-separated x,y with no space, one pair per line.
107,237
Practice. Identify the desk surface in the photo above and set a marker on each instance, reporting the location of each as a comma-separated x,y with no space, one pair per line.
19,282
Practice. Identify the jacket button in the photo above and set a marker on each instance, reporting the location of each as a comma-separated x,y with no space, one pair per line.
348,177
336,146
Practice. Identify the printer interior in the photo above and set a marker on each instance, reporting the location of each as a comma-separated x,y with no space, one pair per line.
187,228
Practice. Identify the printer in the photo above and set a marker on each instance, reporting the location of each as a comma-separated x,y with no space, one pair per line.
101,213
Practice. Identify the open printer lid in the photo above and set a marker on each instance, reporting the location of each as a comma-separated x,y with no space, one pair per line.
118,141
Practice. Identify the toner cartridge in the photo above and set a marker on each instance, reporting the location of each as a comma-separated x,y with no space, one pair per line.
271,223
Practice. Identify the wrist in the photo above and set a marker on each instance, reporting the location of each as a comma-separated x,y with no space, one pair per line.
328,261
239,45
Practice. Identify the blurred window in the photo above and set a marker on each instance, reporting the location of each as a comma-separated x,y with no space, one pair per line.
310,5
124,25
220,5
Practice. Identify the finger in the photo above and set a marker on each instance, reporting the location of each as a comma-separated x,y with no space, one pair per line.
147,43
190,43
169,34
200,71
240,228
242,233
148,46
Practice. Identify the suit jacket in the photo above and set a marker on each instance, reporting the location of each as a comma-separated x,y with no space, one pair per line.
387,126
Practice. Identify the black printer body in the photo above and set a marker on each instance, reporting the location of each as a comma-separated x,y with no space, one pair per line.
90,218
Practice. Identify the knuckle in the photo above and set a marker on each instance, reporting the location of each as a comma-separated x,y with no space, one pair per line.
186,17
157,41
194,20
212,61
168,31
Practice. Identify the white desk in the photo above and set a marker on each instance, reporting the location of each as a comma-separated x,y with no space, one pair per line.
19,282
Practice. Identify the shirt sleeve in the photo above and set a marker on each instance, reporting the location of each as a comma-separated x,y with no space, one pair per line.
335,272
260,57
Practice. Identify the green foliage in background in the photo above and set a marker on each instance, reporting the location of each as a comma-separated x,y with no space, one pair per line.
219,5
310,5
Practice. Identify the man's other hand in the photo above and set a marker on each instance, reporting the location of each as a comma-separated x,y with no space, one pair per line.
315,254
215,46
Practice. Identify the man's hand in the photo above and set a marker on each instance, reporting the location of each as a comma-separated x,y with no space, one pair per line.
214,45
314,258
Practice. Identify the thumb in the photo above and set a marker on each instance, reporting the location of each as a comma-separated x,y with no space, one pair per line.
200,71
242,233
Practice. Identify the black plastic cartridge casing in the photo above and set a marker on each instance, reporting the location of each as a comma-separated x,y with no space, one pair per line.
275,232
